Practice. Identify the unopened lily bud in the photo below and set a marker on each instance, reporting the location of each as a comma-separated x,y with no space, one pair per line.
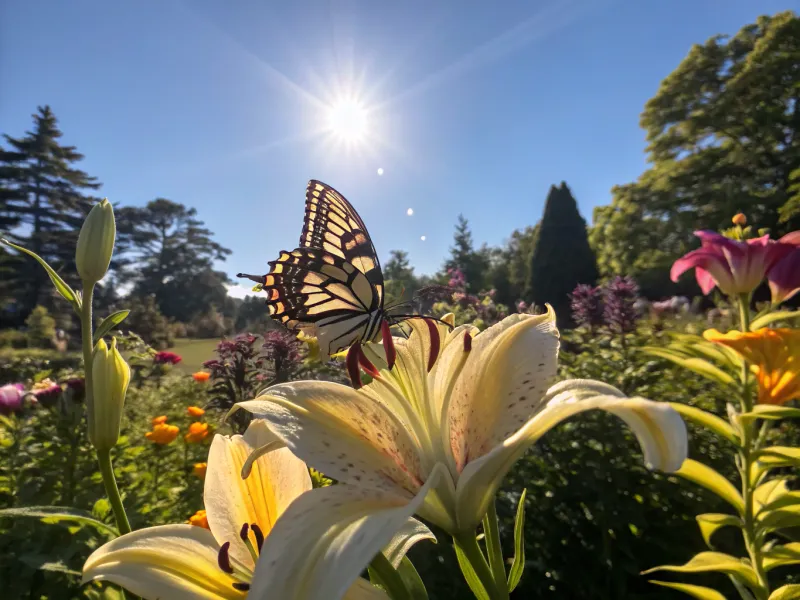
96,243
110,378
739,219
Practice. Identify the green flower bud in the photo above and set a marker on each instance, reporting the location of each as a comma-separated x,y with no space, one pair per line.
110,378
96,242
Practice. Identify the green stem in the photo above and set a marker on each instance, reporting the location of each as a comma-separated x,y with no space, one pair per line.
491,530
389,577
747,450
469,547
112,491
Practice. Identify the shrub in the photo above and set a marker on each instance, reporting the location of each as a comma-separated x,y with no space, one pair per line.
147,321
41,328
13,338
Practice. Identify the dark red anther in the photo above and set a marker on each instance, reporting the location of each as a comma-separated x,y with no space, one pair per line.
388,344
352,365
435,342
223,560
366,364
259,535
467,342
243,532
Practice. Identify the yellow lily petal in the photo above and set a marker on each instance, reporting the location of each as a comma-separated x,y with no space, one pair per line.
326,538
275,480
343,434
178,562
658,427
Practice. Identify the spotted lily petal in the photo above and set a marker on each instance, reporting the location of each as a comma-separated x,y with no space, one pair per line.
659,429
275,480
170,561
327,537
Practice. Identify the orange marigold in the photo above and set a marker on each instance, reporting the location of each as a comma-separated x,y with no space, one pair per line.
201,376
159,420
199,470
197,433
199,519
739,219
162,434
195,411
773,354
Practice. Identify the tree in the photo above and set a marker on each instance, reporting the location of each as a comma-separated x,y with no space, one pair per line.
42,206
463,256
41,328
398,275
174,255
562,257
723,138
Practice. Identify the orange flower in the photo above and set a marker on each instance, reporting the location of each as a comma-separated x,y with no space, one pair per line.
199,470
739,219
199,519
201,376
162,434
197,433
775,358
195,411
159,420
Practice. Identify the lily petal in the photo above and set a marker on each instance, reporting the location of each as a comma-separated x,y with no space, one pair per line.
658,427
412,532
170,561
343,433
510,367
276,479
326,539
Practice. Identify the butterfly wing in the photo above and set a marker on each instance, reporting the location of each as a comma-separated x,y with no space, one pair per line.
325,295
331,223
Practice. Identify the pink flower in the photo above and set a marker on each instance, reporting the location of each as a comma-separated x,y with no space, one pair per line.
11,397
166,358
733,266
784,276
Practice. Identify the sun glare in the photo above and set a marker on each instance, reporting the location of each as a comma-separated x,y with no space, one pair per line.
348,120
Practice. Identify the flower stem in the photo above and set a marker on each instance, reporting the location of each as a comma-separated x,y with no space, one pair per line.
494,549
112,491
467,544
389,577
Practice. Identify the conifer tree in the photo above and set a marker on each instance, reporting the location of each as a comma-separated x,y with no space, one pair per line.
562,257
472,263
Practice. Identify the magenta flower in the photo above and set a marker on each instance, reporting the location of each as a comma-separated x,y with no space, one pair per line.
784,276
734,267
166,358
11,398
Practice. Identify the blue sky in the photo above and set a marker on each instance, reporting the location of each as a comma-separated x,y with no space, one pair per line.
473,107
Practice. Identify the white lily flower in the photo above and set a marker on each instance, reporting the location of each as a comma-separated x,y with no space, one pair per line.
471,402
189,562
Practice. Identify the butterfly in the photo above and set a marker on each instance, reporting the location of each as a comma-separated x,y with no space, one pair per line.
331,287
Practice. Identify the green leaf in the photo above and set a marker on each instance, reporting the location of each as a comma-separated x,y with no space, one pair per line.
109,323
709,523
770,412
695,591
712,481
470,575
411,578
781,315
707,420
780,556
698,365
61,286
518,565
786,592
784,501
706,562
57,514
769,492
777,456
770,520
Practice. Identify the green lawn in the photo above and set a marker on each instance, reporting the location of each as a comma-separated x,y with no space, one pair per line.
194,353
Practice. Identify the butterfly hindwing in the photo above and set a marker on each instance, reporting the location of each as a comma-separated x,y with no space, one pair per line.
311,289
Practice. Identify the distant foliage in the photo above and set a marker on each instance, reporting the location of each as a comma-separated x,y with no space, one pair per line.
41,328
147,321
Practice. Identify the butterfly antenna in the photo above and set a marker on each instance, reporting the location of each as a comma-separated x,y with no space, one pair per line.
257,278
399,318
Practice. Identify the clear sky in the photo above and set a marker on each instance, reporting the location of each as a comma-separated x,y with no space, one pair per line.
472,107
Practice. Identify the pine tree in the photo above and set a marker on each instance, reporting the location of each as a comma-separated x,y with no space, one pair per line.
562,257
463,256
42,206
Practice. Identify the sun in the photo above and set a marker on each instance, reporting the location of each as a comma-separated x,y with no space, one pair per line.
348,120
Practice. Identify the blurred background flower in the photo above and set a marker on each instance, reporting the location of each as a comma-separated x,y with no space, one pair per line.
162,434
11,398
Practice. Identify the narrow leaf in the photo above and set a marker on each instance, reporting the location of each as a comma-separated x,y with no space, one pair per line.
786,592
109,323
411,578
470,575
770,412
780,556
61,286
781,315
695,591
710,523
706,562
55,514
712,481
707,420
518,565
771,520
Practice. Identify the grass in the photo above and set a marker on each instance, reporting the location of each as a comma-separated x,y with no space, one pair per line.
194,353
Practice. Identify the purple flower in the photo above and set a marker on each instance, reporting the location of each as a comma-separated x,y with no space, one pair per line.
11,398
166,358
619,310
282,349
457,280
587,306
522,306
76,386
